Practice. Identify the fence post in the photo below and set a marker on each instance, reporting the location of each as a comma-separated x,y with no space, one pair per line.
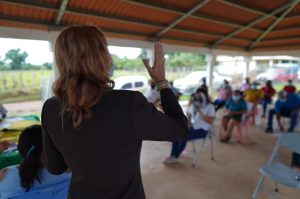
21,79
33,82
4,82
15,83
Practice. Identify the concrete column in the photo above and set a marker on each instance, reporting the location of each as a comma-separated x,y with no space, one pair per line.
247,67
211,61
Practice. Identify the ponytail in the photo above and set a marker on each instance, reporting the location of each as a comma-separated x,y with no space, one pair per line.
29,169
30,147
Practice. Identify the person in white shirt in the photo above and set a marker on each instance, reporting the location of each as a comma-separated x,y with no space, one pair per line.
201,115
152,95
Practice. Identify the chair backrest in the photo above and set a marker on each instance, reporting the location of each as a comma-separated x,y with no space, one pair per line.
57,191
291,141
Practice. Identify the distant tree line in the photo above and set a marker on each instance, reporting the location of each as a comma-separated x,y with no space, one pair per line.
15,59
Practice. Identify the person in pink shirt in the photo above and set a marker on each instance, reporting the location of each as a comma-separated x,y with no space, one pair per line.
224,93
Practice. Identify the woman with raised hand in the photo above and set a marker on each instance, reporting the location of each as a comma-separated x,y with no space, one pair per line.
97,132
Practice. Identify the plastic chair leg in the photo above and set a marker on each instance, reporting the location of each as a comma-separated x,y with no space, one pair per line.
258,186
197,155
212,147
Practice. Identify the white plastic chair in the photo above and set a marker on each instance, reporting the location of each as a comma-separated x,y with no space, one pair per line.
277,171
201,146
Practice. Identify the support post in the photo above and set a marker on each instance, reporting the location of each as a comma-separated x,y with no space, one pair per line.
211,61
247,67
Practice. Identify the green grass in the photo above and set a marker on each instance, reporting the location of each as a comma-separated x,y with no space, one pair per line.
20,86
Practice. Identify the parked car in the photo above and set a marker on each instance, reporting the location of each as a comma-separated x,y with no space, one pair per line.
278,74
134,82
192,81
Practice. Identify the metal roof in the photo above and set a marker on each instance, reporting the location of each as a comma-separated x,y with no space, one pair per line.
245,25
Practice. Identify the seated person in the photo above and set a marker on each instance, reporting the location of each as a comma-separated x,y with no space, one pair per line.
268,92
224,93
246,85
152,95
3,112
204,85
290,88
201,114
253,96
236,107
176,92
287,105
31,172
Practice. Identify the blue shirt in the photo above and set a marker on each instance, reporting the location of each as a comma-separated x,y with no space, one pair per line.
292,102
236,106
10,184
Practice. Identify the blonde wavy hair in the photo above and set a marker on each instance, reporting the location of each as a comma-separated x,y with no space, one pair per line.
83,62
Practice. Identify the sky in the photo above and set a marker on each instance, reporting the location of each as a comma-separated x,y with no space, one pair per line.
39,51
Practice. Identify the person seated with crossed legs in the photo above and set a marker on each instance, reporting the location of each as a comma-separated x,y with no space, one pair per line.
201,113
235,107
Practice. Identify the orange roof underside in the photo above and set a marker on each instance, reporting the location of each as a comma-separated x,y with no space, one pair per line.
226,24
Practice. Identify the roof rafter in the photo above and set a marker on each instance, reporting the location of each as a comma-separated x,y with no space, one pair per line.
181,18
113,18
61,11
286,12
195,16
150,38
256,21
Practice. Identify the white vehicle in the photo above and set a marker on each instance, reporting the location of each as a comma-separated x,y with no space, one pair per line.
192,81
134,83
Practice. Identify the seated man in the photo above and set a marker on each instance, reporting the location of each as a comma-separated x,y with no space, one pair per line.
246,85
236,107
287,105
253,96
290,88
268,92
31,173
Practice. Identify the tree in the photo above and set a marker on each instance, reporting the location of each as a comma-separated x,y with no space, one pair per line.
16,58
183,59
47,65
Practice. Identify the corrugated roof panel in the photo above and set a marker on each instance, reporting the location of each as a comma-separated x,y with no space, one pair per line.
265,6
182,5
295,10
123,9
56,2
288,23
28,12
22,25
188,36
248,34
233,42
198,24
264,24
284,34
225,11
108,24
284,42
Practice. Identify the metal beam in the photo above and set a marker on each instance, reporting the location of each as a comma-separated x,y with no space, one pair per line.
256,21
61,11
88,13
181,18
156,6
286,12
54,27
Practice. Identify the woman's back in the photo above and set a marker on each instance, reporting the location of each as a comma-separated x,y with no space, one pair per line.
104,152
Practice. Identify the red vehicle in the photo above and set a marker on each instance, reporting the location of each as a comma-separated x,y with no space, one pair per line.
278,74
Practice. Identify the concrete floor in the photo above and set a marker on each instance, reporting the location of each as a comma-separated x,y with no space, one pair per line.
233,175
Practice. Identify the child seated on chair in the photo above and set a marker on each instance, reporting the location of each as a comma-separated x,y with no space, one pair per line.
236,107
31,173
201,114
